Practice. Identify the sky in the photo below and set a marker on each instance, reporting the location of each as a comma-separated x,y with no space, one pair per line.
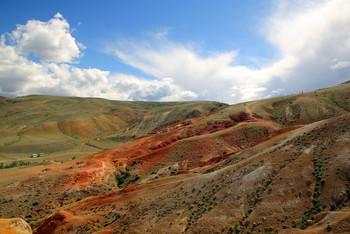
177,50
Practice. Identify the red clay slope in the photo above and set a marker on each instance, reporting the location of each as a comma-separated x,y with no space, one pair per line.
246,192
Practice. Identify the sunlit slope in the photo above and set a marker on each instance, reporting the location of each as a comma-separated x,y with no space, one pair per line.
51,124
301,108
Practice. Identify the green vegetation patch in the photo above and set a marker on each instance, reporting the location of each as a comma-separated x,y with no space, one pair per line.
14,164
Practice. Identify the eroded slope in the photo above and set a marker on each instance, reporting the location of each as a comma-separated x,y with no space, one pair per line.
271,165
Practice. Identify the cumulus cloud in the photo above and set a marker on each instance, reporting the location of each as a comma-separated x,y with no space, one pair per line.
135,88
307,35
21,76
214,77
50,41
210,77
315,34
56,48
312,40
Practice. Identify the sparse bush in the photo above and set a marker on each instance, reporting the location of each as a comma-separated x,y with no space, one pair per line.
14,164
329,228
333,207
338,171
121,179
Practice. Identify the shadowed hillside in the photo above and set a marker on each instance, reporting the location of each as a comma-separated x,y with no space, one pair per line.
273,165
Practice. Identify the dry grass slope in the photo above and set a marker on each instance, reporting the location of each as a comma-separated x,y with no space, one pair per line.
66,127
273,165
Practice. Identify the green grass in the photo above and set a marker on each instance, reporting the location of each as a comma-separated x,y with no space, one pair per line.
13,164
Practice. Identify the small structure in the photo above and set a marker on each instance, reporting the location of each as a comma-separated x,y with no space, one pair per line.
41,154
34,156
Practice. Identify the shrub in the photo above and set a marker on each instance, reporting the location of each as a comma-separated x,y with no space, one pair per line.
329,228
121,179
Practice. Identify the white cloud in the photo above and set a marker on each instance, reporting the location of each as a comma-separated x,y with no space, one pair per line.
306,34
214,77
315,33
50,41
134,88
53,43
207,77
20,76
312,39
340,65
160,34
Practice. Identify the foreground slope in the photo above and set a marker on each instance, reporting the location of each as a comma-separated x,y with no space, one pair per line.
264,188
278,164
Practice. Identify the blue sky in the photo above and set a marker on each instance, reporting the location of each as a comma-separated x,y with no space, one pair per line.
215,26
229,51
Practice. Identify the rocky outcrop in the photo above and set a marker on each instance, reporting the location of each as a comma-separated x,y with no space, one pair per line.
15,226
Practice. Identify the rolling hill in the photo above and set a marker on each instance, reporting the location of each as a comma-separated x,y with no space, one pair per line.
274,165
66,127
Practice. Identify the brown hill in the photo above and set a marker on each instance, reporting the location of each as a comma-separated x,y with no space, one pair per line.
274,165
66,127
